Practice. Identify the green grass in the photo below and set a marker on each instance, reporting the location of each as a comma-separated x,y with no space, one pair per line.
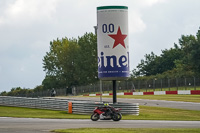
183,98
129,130
146,113
161,113
20,112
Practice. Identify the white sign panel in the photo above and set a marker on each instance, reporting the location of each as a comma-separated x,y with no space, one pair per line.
112,41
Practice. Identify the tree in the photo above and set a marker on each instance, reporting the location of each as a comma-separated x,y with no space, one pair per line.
182,60
87,63
145,67
4,93
190,45
195,54
59,63
71,62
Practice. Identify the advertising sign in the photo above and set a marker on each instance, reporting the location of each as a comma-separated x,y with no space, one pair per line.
112,41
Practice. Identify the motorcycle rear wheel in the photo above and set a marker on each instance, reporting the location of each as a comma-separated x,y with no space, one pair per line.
94,117
117,117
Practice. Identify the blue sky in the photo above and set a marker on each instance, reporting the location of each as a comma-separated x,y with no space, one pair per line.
27,27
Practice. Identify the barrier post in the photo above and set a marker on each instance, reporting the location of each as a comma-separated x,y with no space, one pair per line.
70,107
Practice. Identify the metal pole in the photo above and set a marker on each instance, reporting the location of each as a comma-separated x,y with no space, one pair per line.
194,84
114,91
146,86
185,84
169,83
139,85
176,83
100,90
126,85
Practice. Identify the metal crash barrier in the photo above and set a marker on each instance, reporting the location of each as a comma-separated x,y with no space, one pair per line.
40,103
79,107
75,107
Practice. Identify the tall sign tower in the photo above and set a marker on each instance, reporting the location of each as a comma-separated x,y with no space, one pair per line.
113,46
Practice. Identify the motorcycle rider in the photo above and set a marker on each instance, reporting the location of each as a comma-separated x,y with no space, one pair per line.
107,110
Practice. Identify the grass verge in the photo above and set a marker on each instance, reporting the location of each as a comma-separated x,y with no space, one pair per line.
161,113
146,113
128,130
20,112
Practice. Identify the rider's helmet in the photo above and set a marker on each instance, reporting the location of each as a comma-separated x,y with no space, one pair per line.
106,104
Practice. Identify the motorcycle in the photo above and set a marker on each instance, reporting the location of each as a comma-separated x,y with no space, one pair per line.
106,113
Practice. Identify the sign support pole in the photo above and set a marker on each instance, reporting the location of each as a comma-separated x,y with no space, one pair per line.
101,91
114,91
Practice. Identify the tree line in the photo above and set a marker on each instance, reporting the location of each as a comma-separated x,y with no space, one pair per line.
183,60
73,62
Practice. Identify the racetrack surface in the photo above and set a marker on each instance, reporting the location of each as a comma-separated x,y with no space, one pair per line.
35,125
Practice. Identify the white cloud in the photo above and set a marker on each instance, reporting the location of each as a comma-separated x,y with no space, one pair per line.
152,2
0,69
22,68
22,11
140,4
1,20
136,24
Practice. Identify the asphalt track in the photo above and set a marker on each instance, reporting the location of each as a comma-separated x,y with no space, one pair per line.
35,125
146,102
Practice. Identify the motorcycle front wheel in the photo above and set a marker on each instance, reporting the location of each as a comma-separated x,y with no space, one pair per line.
117,116
94,117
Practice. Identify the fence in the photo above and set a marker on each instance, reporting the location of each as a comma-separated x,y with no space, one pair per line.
155,84
78,107
166,84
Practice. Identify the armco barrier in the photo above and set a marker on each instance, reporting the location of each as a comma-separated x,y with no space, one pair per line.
77,107
41,103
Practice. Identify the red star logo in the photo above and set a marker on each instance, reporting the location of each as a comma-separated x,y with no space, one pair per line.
119,38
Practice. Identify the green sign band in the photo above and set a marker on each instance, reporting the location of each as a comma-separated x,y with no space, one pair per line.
111,7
